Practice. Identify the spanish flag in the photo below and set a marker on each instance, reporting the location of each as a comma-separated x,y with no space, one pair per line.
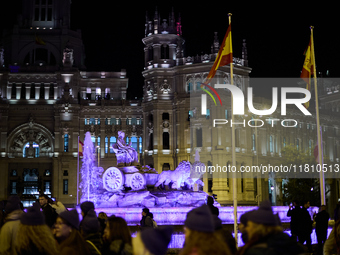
224,56
80,148
307,69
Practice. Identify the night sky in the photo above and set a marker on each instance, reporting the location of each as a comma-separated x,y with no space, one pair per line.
276,36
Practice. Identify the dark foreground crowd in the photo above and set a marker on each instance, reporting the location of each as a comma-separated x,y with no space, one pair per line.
49,228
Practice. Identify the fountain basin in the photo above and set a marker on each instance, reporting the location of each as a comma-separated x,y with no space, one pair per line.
177,215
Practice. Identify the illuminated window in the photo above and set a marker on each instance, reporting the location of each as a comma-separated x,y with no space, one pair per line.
191,114
106,144
31,182
88,93
253,141
14,172
271,144
98,94
66,143
113,140
134,143
207,116
92,121
140,145
13,187
93,140
47,187
47,172
189,86
107,94
133,121
310,146
198,85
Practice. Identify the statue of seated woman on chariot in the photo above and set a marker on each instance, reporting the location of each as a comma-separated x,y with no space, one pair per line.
126,155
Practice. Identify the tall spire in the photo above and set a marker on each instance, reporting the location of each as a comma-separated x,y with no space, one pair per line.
172,21
216,43
244,53
156,22
146,24
179,26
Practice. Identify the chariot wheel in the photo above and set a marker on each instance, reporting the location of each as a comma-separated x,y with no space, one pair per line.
113,179
137,181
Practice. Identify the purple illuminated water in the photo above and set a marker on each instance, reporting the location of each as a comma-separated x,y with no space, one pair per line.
177,215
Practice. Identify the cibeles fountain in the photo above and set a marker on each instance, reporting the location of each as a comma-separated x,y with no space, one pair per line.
124,189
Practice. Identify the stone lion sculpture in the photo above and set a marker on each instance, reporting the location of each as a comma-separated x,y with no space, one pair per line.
178,177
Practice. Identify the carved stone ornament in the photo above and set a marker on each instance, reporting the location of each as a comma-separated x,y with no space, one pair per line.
149,89
165,87
166,124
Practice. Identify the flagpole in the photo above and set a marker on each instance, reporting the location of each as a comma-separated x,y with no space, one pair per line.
322,177
233,152
78,174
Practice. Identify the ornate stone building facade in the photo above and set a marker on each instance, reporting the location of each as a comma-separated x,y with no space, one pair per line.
48,100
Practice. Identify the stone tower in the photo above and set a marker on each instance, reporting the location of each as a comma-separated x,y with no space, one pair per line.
163,52
41,36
